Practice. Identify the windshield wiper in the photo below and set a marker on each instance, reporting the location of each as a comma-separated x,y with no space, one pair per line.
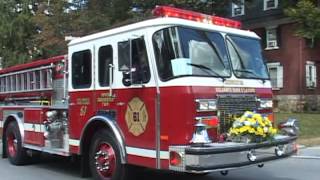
246,71
213,46
242,63
203,67
237,52
249,72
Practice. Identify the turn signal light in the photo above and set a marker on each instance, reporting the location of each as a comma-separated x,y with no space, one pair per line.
212,122
167,11
271,117
175,158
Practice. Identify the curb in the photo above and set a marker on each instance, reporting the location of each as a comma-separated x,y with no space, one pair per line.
302,147
306,157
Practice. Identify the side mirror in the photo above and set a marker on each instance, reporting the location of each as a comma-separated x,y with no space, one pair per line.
127,76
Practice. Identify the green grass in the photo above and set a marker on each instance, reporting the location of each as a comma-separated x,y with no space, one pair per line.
309,124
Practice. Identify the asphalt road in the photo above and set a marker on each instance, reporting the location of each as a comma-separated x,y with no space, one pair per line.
54,168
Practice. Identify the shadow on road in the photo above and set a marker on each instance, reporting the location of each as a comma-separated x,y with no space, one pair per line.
68,168
58,164
241,174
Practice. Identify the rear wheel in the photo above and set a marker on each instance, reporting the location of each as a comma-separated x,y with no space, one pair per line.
16,153
104,158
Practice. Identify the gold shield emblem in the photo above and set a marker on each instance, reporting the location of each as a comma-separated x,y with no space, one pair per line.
136,116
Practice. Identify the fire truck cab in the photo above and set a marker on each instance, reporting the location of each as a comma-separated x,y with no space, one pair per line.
161,93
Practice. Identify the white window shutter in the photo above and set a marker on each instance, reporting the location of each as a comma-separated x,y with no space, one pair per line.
268,67
314,75
280,77
308,82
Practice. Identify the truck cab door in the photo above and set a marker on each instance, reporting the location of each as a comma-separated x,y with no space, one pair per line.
81,91
138,96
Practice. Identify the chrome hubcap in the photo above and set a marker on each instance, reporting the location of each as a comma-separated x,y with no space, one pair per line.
102,162
105,160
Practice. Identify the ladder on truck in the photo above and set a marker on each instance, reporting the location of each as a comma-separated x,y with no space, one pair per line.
29,84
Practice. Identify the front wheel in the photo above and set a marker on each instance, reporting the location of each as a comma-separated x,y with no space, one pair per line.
16,153
104,158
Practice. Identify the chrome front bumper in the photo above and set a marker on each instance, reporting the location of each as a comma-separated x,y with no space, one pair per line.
230,155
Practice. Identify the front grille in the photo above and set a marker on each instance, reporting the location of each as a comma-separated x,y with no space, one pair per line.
231,106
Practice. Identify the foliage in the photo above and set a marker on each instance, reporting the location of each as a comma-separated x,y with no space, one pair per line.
32,29
307,14
16,30
51,26
205,6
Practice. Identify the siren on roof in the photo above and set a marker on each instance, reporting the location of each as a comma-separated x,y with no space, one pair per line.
167,11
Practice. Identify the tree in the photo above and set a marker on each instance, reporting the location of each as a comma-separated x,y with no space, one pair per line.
307,14
16,28
76,18
52,23
211,7
32,29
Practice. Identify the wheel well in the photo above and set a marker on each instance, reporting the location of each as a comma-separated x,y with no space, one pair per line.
88,134
4,144
95,124
85,144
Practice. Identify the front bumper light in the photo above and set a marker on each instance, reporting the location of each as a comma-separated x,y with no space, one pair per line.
266,103
230,155
205,105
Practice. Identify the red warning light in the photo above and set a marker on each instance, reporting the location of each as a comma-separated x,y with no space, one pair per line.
167,11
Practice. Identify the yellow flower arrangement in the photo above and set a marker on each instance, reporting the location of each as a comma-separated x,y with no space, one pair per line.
252,125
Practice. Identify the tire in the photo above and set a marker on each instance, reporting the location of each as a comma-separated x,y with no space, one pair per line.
104,158
16,153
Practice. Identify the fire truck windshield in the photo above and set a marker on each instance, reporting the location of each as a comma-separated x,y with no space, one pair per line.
246,58
189,52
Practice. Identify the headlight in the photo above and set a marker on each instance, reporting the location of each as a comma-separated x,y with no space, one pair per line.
266,103
204,105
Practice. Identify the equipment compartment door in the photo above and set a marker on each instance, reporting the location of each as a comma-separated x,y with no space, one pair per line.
33,126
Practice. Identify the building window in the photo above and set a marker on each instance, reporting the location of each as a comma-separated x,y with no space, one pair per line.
238,8
81,69
276,75
272,39
270,4
311,75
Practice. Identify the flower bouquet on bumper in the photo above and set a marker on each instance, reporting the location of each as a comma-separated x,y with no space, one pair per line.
251,128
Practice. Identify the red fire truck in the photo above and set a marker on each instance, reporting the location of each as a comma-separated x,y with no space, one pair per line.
161,93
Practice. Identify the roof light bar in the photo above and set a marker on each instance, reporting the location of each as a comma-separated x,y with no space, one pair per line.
167,11
226,22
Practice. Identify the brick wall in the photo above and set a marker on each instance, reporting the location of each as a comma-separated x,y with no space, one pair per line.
292,55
